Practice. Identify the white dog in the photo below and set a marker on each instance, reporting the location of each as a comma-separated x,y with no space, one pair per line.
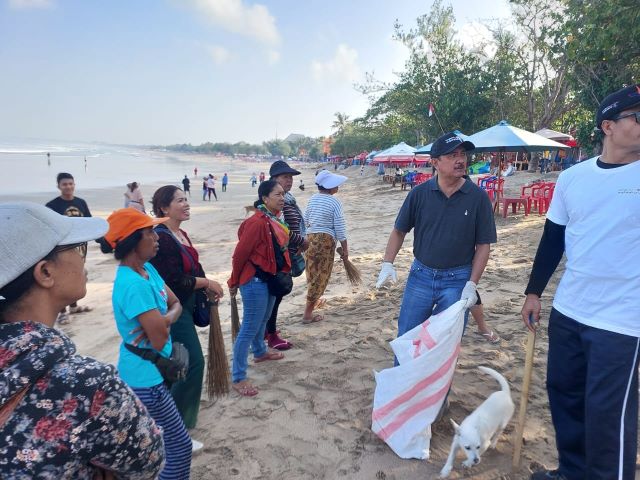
481,429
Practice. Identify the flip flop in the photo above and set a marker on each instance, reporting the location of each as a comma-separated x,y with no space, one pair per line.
316,318
79,309
269,356
245,389
490,336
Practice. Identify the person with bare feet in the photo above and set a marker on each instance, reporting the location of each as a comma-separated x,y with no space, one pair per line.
477,312
71,206
324,221
261,253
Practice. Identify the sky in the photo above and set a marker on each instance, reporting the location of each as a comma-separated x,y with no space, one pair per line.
190,71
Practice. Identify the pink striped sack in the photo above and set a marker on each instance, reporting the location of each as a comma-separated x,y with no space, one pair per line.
408,397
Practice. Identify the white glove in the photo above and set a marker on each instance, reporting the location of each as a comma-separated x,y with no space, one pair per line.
469,294
386,272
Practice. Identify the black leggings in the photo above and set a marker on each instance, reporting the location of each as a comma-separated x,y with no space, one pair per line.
271,323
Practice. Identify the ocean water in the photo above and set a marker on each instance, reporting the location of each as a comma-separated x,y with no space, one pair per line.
24,168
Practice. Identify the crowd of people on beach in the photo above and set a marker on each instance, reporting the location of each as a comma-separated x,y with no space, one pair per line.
68,416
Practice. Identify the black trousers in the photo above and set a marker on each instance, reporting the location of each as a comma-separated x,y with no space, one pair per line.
271,323
592,382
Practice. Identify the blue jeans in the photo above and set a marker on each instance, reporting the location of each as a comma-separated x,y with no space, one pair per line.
257,304
430,291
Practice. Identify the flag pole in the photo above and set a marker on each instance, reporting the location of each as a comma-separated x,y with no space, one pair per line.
432,111
436,115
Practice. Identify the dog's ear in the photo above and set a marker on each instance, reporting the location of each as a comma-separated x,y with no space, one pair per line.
456,427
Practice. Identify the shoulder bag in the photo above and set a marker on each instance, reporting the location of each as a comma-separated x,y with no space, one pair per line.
173,369
201,305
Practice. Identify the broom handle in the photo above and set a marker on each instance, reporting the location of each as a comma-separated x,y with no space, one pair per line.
524,398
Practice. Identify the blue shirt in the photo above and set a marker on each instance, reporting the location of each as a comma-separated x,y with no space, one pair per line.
132,296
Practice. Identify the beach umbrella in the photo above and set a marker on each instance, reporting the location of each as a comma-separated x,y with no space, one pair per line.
507,138
400,153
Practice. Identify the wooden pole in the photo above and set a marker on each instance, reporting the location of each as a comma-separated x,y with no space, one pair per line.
524,398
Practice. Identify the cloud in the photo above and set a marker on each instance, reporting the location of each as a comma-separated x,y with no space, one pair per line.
273,57
24,4
235,16
219,54
343,66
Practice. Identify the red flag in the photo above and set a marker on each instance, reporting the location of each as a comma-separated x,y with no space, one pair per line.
431,109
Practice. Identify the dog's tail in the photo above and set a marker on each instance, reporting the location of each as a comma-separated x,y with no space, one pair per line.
504,385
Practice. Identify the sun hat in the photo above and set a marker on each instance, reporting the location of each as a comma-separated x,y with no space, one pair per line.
617,102
280,167
125,221
448,142
329,180
29,232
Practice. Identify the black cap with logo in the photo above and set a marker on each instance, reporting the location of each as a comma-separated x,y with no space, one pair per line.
448,142
617,102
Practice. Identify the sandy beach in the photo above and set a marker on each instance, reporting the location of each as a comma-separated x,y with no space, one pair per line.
312,417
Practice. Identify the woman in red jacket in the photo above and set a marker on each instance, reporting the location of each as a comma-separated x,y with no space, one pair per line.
261,252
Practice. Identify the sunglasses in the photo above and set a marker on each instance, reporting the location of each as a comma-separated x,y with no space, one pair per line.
632,114
81,248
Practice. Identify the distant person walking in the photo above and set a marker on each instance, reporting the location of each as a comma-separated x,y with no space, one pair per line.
204,188
262,177
195,172
225,181
253,180
71,206
211,187
186,185
48,159
133,197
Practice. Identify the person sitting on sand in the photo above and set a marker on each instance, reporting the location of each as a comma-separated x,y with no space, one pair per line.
62,415
144,308
324,221
261,252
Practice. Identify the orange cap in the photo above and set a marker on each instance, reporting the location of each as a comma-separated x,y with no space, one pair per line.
125,221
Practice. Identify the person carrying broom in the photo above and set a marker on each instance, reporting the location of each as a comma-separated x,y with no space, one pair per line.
324,221
175,261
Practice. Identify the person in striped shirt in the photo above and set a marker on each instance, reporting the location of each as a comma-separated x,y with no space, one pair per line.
325,225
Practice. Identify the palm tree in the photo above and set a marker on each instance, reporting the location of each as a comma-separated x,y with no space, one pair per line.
340,123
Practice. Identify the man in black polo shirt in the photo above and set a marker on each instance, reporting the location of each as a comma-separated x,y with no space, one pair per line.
454,227
71,206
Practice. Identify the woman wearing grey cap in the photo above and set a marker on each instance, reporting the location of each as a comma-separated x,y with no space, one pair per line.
62,415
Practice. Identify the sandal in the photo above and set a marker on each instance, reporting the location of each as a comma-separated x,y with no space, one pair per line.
275,341
316,318
79,309
490,336
245,389
269,356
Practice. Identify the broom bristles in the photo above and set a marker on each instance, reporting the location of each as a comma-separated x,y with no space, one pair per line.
353,274
217,363
235,318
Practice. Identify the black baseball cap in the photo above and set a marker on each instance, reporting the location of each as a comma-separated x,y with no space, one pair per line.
448,142
617,102
280,167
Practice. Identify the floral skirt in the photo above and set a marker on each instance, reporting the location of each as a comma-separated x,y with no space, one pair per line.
319,257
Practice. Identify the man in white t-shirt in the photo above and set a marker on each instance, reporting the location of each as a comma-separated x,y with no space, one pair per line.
211,187
594,326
